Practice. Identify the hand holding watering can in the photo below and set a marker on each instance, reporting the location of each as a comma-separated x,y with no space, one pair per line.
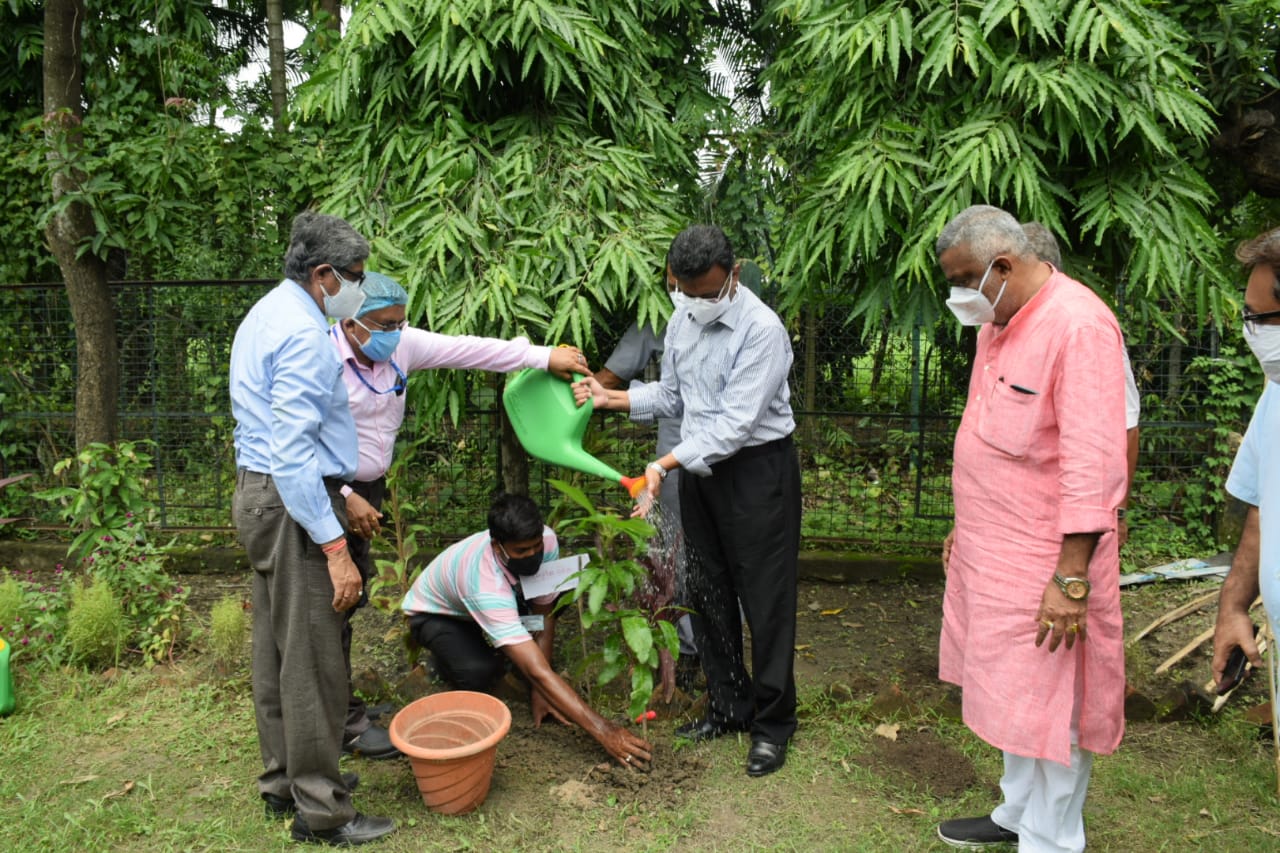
644,489
550,423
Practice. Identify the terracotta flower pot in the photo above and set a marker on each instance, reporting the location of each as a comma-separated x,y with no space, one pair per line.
451,740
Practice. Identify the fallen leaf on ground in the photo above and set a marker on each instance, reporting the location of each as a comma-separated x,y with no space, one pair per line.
115,718
889,730
851,624
802,648
845,765
897,810
836,612
79,780
128,786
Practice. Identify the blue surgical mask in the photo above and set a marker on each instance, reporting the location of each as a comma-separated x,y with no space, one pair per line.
381,344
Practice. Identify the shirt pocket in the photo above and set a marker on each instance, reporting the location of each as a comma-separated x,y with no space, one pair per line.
1010,420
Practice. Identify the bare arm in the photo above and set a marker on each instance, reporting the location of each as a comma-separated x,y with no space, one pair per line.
609,380
1233,627
625,747
1059,614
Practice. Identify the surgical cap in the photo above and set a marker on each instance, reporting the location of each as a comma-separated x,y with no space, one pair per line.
381,291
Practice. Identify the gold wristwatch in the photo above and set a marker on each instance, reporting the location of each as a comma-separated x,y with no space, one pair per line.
1076,589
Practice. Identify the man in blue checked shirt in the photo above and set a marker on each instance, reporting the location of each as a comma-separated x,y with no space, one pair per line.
295,446
724,368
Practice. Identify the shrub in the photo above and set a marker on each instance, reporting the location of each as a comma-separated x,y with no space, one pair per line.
154,603
95,625
10,607
228,628
36,615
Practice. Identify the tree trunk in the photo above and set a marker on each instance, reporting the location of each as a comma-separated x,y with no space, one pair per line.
97,354
334,8
275,59
513,460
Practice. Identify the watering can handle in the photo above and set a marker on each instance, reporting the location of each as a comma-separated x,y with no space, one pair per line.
577,375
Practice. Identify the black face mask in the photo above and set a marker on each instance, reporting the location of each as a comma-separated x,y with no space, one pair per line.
524,566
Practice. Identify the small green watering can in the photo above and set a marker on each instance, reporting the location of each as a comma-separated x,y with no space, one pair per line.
6,680
550,425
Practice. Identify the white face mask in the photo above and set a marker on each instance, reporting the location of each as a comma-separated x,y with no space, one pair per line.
970,306
1265,343
346,302
704,311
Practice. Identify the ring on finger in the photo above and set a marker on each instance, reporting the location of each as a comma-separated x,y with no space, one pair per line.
627,759
1047,623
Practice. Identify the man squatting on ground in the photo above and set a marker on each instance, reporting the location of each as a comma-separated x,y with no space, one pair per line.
1255,475
295,446
378,351
1039,472
468,610
724,368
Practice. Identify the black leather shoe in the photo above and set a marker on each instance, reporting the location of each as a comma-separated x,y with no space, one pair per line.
373,742
765,757
704,729
282,807
361,829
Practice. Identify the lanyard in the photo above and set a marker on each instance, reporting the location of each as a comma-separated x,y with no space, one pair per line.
398,388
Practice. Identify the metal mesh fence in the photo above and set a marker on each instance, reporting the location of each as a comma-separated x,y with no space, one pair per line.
876,411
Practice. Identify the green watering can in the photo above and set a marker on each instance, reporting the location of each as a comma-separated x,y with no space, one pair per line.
6,680
550,425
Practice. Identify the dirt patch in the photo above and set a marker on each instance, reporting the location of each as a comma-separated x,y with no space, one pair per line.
919,760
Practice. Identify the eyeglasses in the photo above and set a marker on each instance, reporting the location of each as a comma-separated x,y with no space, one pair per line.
348,275
1251,319
390,326
719,294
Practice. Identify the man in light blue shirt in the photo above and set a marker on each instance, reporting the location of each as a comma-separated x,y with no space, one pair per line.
724,368
295,444
1255,475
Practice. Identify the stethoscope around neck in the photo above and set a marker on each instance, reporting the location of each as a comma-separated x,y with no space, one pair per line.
401,380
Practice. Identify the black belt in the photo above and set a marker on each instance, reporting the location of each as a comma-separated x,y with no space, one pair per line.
763,449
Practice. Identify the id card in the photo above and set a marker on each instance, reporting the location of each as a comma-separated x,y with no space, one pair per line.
532,624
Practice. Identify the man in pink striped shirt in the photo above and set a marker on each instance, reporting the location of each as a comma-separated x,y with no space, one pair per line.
1031,618
378,350
468,609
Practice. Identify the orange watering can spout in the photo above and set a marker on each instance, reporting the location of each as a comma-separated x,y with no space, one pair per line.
550,425
634,485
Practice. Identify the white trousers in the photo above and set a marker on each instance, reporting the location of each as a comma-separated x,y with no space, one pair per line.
1043,801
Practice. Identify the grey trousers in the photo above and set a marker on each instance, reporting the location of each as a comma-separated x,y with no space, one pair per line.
299,672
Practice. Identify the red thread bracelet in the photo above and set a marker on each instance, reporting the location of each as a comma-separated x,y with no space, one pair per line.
335,546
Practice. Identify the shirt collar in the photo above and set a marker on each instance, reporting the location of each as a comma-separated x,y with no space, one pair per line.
299,293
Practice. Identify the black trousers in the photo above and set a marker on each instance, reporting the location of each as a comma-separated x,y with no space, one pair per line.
742,528
357,712
460,652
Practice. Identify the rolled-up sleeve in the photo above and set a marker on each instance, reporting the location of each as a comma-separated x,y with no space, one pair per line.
1090,405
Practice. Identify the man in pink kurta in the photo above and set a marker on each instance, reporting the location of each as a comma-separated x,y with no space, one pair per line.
1040,469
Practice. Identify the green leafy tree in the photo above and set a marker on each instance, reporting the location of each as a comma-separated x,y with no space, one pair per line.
124,171
522,165
1082,114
